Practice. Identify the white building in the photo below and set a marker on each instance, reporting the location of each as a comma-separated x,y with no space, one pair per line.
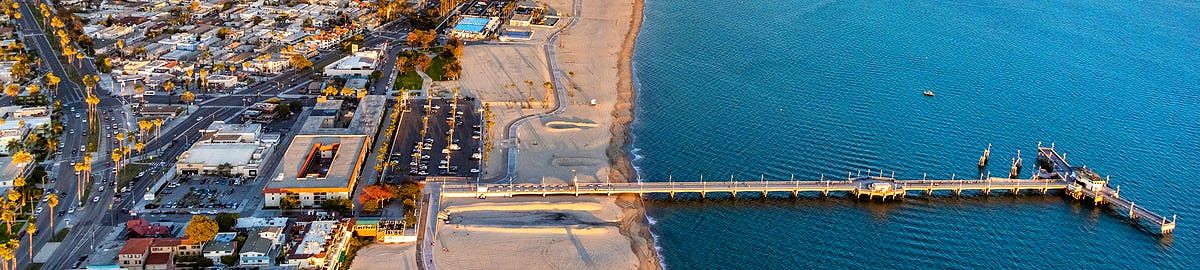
236,148
18,122
360,64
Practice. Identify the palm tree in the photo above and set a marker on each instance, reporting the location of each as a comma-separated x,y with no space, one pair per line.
30,229
169,86
5,253
14,245
116,157
158,122
12,90
8,216
18,183
187,97
53,81
92,101
34,89
90,81
81,173
143,127
140,89
52,201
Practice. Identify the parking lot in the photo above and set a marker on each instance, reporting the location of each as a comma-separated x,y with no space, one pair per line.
204,194
439,137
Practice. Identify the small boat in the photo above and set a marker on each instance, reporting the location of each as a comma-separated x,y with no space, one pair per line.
928,93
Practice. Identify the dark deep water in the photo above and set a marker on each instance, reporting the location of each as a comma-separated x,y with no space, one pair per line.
826,87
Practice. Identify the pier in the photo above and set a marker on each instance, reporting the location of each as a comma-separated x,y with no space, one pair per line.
1054,174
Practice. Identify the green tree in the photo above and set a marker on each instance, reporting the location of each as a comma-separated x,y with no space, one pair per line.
229,260
226,221
289,201
340,205
201,229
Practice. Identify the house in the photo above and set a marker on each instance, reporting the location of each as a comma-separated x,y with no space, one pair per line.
144,228
221,245
259,246
133,254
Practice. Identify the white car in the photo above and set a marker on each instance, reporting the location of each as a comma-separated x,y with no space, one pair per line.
96,199
38,211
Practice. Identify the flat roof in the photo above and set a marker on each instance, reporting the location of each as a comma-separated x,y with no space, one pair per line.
472,24
315,238
341,172
219,153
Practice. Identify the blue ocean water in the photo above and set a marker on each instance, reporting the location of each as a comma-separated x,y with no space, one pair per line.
822,88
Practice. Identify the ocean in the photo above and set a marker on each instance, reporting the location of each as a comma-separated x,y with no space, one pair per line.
812,89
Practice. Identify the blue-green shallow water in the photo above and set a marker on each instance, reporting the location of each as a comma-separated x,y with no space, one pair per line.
812,88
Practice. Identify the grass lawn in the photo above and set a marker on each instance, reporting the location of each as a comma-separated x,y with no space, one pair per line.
436,68
17,227
408,80
93,138
129,172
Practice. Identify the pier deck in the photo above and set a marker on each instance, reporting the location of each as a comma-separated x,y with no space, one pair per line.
1054,174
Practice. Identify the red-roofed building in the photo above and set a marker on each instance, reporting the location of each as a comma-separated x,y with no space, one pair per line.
155,253
133,254
146,229
160,261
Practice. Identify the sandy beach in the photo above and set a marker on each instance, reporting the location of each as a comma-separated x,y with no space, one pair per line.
582,139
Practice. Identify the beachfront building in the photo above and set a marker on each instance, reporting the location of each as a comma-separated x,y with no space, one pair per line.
320,246
474,27
326,156
316,168
360,64
226,149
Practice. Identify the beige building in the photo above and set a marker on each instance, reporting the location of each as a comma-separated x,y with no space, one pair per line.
236,149
326,158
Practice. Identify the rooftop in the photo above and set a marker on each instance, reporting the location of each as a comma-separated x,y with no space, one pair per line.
472,24
315,238
220,153
320,161
137,246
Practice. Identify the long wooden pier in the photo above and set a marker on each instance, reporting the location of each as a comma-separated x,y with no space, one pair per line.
1054,174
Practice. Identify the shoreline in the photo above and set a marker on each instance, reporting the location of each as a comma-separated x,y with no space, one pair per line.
634,225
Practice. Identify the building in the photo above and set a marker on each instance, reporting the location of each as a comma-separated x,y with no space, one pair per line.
158,111
144,228
221,245
133,254
326,157
226,149
316,168
18,122
259,246
155,253
320,247
473,27
261,112
360,64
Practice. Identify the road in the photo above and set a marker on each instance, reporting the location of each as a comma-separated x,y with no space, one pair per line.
71,95
90,221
